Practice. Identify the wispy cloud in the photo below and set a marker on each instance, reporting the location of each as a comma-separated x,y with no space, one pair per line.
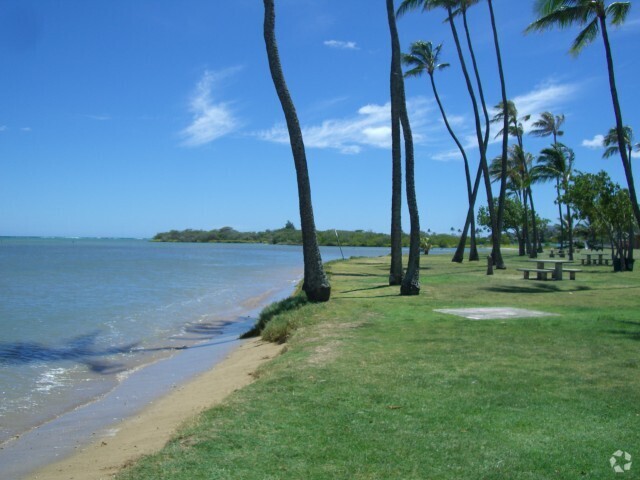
342,45
211,120
594,143
99,118
547,96
25,129
3,128
371,127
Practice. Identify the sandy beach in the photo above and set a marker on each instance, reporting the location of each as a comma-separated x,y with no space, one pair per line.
148,431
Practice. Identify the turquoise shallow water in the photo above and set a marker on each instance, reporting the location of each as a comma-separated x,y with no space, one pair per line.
77,316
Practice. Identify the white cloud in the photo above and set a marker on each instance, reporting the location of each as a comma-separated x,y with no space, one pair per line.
371,127
210,120
3,128
447,156
25,129
549,96
594,143
341,45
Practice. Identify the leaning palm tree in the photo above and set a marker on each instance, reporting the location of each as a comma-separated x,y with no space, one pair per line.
411,281
592,15
315,285
452,7
423,59
556,163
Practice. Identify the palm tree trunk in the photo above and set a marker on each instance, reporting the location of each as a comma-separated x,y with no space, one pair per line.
525,226
396,271
495,237
560,214
626,161
476,71
505,133
316,285
473,254
459,254
411,281
570,228
536,235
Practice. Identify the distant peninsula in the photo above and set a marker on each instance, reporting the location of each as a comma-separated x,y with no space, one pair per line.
289,235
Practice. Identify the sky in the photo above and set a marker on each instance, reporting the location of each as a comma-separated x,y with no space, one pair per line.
124,118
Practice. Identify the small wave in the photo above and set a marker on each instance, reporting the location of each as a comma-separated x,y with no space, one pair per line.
51,379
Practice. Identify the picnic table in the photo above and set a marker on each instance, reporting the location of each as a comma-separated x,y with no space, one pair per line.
557,267
600,261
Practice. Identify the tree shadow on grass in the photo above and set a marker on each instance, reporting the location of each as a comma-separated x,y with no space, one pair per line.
81,349
356,275
533,288
629,334
377,287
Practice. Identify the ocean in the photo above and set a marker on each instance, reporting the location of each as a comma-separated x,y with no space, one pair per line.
79,316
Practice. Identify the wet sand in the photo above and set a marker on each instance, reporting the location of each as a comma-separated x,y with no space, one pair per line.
148,431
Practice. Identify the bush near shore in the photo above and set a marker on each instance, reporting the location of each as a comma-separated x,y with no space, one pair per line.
378,386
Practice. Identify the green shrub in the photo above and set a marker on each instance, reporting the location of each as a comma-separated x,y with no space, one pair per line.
273,313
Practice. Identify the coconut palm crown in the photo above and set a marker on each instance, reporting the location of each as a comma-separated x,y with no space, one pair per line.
610,142
565,13
423,58
548,125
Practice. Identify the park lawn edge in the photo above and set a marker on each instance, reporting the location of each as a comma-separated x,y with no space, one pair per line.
374,385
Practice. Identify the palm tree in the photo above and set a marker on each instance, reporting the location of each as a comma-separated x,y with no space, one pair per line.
453,7
518,184
592,15
610,142
315,285
516,129
396,270
424,59
549,125
411,281
556,163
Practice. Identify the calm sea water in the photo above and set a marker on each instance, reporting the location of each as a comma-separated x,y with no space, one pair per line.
78,315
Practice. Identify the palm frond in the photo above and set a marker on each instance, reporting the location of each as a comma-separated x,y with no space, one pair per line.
585,37
545,7
618,11
562,17
415,72
610,152
408,5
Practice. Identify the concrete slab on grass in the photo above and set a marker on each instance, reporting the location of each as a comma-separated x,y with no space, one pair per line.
494,313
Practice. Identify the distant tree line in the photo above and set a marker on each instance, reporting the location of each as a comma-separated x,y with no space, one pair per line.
289,235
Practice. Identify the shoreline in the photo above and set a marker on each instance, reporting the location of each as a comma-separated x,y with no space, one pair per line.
149,429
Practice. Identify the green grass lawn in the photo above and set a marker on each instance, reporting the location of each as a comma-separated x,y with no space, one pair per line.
378,386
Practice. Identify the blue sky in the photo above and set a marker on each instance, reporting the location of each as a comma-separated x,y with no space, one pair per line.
125,118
